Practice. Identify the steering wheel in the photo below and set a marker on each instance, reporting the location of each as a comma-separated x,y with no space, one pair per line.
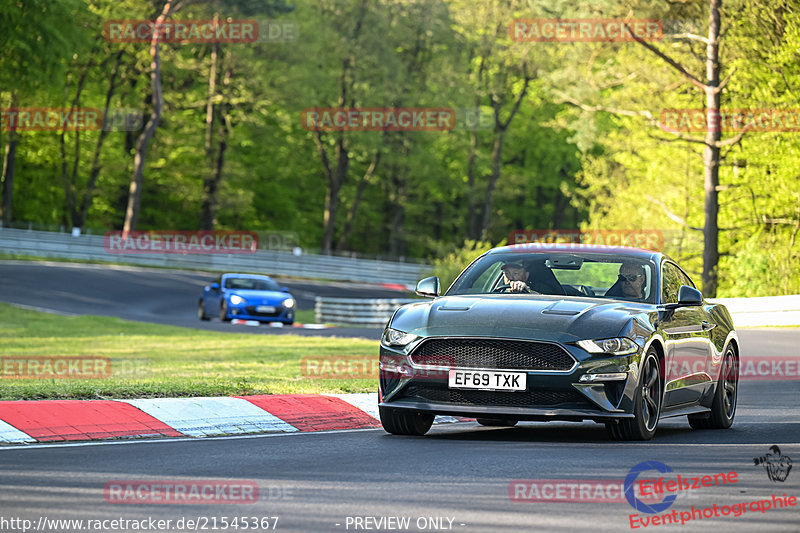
587,291
500,288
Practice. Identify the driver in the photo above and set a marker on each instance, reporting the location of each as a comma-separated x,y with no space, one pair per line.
632,277
516,276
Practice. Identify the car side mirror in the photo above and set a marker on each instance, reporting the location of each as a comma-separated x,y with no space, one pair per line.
215,286
428,287
285,289
687,297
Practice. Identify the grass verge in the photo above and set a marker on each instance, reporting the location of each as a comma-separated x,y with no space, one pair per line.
151,360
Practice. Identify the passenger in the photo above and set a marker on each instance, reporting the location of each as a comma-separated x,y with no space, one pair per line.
517,277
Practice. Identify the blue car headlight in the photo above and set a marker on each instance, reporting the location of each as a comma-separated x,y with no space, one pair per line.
288,303
237,300
395,337
617,346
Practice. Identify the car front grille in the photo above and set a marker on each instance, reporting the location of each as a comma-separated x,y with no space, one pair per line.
440,393
492,353
251,310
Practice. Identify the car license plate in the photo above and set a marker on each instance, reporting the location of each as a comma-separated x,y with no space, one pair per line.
487,380
265,308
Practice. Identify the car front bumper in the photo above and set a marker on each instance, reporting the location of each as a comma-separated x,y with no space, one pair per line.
518,413
247,312
549,395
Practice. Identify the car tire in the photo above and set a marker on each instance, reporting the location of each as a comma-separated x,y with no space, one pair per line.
399,422
723,407
646,403
497,422
201,311
223,312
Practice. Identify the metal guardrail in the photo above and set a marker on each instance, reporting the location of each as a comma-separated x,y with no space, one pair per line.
746,312
763,310
90,248
358,311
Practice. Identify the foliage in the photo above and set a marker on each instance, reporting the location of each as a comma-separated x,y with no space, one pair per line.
569,158
448,267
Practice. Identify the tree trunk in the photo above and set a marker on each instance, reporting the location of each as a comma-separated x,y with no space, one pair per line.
472,216
70,215
336,178
343,238
497,154
208,210
135,189
711,154
9,159
88,194
500,129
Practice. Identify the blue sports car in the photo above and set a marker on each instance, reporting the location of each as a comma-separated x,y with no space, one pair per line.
246,296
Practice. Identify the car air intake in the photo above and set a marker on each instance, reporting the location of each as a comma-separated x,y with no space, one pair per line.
439,393
492,353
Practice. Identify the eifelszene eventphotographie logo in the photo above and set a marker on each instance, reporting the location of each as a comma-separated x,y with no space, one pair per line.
777,465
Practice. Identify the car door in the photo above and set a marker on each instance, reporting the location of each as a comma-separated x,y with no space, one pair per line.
687,342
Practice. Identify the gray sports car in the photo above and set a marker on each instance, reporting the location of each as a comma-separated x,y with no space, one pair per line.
620,336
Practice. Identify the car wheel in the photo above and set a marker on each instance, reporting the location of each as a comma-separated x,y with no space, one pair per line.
497,422
223,312
723,407
201,311
399,422
646,405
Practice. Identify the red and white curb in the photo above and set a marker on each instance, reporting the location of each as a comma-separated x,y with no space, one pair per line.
75,420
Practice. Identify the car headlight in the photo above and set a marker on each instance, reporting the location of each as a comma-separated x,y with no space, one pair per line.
288,303
618,346
395,337
237,300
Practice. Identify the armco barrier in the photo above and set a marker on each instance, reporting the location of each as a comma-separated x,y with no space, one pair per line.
746,312
763,311
357,311
90,248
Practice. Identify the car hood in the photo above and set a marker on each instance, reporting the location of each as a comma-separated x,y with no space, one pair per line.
541,317
251,295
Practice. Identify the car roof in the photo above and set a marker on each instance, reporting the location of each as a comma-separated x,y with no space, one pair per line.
626,251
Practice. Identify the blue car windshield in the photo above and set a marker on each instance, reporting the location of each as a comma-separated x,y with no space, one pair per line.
560,273
251,284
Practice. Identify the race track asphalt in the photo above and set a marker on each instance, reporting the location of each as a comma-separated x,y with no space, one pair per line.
157,295
323,481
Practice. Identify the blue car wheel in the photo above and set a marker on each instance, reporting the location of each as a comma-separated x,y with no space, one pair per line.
201,311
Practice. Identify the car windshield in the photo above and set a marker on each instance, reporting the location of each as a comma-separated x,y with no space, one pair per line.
562,273
251,284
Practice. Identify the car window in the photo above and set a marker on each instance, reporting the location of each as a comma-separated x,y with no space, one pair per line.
570,274
685,280
251,284
671,281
